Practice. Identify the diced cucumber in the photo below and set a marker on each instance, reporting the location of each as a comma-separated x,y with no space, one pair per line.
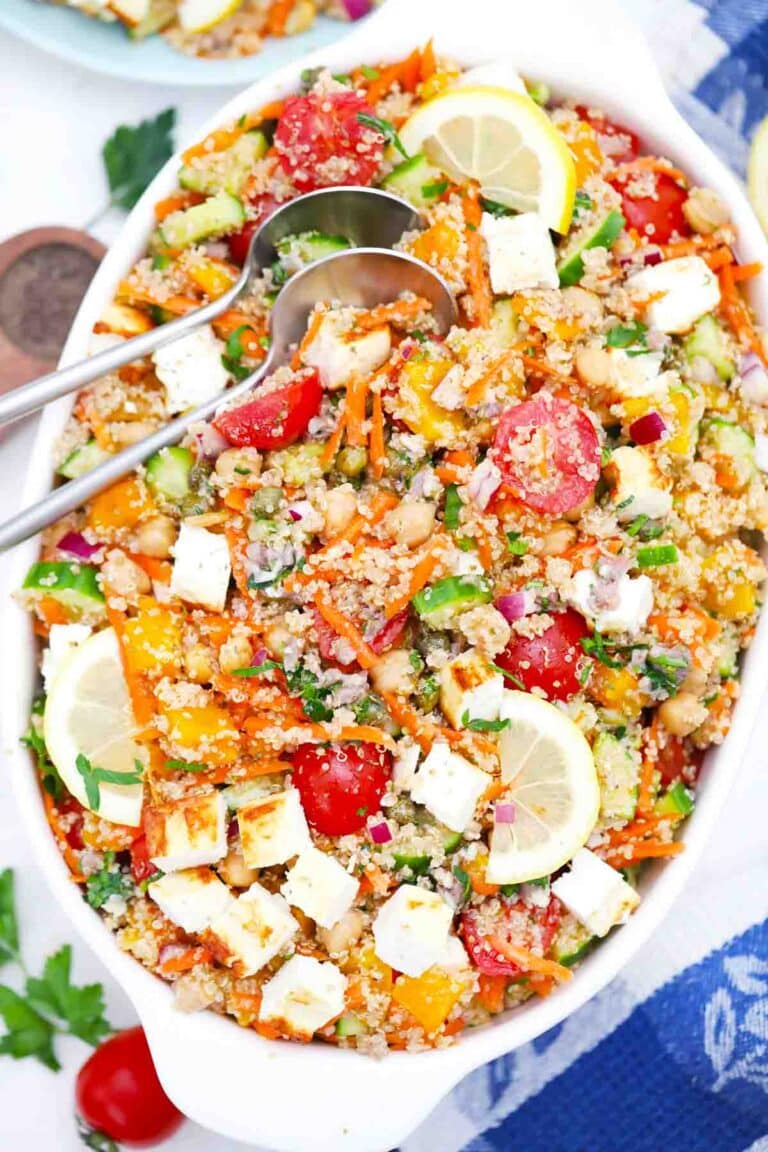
676,801
82,460
416,181
417,863
572,941
708,341
727,661
504,320
158,16
618,773
219,214
443,601
307,247
571,267
75,586
452,841
721,441
349,1025
225,171
168,473
299,464
236,795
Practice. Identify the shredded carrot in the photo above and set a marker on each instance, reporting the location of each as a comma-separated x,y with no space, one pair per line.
746,271
428,63
142,698
357,394
51,611
494,790
307,338
377,880
376,447
646,789
415,725
405,72
644,850
737,313
185,961
176,203
451,1027
461,457
367,734
640,829
542,985
159,570
492,992
529,962
417,578
225,137
649,164
366,657
480,289
448,474
333,444
477,390
718,258
484,551
544,368
399,312
253,725
277,17
381,503
178,305
251,338
70,856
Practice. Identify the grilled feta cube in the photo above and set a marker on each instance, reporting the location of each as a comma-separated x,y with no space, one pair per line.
305,995
192,898
62,640
678,292
595,893
252,930
449,787
201,567
520,252
632,602
320,887
338,359
638,486
273,830
191,369
405,764
634,377
469,686
187,833
454,958
411,930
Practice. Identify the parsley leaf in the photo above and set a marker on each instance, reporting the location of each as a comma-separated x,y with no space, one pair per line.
665,673
108,881
81,1010
305,685
516,546
93,777
186,766
510,676
594,645
9,928
369,73
233,353
387,130
28,1033
628,336
133,156
432,191
464,881
33,738
483,725
453,506
257,669
494,208
582,203
95,1140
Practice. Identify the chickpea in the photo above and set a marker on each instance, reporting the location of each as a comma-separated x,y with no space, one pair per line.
276,637
705,211
559,538
198,664
411,523
343,935
156,536
394,673
237,466
236,652
594,367
586,306
124,577
682,714
696,680
486,629
340,506
234,870
127,432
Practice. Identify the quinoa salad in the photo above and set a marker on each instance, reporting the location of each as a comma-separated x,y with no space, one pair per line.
367,704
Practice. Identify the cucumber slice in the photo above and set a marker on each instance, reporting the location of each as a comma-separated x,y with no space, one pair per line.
219,214
724,441
75,586
504,320
416,181
676,801
618,773
571,266
727,661
452,841
307,247
82,460
708,340
159,15
225,171
572,942
443,601
349,1025
417,863
299,464
168,473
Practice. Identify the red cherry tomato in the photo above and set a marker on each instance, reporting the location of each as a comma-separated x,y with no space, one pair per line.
141,865
118,1093
659,216
389,634
551,661
275,419
518,924
326,641
72,813
239,242
340,785
322,143
618,142
548,453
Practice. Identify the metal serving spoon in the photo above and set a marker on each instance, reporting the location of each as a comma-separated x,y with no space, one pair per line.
364,216
363,277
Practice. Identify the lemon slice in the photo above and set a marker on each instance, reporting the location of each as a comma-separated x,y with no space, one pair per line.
553,786
88,711
200,15
757,173
502,140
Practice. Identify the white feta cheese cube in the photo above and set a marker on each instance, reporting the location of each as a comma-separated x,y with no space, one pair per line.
469,686
638,486
306,994
191,369
192,898
201,567
252,930
632,596
273,830
635,377
187,833
596,894
411,930
454,958
678,292
451,393
338,358
62,641
520,252
319,885
405,764
449,786
464,564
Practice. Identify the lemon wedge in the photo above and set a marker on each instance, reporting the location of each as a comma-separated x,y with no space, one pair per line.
757,173
200,15
88,712
554,788
502,140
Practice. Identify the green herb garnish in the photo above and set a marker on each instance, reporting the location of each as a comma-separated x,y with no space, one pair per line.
432,191
33,738
186,766
94,777
483,725
107,882
453,506
510,676
516,546
233,354
133,156
387,130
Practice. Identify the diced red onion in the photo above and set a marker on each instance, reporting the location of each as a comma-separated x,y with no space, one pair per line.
356,9
754,377
647,258
299,509
515,605
647,429
380,833
505,813
260,657
75,544
484,481
407,349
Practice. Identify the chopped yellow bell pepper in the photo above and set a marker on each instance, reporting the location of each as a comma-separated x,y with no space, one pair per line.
206,732
617,688
429,997
418,381
153,639
121,506
582,142
682,442
439,241
213,277
731,589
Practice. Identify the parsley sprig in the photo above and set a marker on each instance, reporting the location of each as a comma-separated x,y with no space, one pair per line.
387,130
34,740
133,155
94,777
108,881
632,337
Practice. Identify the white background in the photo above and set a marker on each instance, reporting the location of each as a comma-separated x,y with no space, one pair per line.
53,120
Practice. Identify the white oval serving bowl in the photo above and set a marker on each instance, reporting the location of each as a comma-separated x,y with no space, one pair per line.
315,1098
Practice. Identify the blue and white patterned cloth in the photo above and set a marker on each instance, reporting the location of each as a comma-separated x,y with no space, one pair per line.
674,1054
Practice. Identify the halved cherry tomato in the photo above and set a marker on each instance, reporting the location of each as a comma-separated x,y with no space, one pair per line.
141,865
389,634
659,216
275,419
322,142
326,641
74,812
519,924
340,785
618,142
675,762
549,453
551,661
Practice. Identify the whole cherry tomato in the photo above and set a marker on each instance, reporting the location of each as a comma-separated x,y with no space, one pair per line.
340,785
551,661
274,419
519,924
118,1093
322,142
548,453
618,142
659,216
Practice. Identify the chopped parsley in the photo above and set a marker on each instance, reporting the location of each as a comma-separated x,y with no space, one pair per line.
185,766
453,506
665,673
483,725
33,738
108,881
644,528
233,354
510,676
257,669
369,73
632,337
516,545
416,661
495,208
94,777
387,130
594,645
432,191
582,203
464,881
304,684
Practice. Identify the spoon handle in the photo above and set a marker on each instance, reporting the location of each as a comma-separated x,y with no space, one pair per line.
75,493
